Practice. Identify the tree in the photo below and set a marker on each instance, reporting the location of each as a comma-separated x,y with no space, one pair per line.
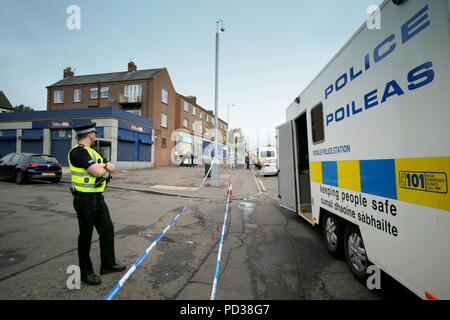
22,108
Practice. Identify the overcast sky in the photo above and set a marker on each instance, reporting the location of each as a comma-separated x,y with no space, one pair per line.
269,52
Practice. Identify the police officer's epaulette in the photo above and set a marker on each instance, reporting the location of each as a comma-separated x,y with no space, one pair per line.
78,147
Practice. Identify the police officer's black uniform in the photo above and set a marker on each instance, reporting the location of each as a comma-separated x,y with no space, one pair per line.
92,211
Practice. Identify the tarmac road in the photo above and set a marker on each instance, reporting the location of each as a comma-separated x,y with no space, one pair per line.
269,253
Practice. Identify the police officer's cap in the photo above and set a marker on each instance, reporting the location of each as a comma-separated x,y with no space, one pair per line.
85,128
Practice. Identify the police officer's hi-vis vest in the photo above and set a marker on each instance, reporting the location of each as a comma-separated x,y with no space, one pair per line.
82,181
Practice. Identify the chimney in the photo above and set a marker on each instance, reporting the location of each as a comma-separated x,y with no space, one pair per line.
192,99
68,72
131,66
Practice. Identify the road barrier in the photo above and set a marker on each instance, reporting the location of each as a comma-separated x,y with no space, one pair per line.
122,281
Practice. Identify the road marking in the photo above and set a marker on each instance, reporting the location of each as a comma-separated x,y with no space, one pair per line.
262,185
254,177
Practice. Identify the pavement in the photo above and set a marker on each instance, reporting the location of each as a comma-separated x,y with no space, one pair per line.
183,182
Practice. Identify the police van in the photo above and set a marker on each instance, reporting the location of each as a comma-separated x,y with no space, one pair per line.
365,151
265,155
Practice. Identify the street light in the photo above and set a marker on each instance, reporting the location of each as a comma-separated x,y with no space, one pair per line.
215,174
228,130
236,136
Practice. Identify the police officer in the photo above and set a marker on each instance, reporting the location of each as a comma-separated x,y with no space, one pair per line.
247,160
87,168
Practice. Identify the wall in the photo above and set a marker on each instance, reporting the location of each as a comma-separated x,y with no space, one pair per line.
163,155
116,89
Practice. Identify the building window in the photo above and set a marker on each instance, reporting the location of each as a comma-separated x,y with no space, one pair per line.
58,96
136,112
186,106
164,96
105,92
194,111
94,93
318,133
186,123
164,120
193,126
207,117
163,143
201,114
133,93
77,95
199,127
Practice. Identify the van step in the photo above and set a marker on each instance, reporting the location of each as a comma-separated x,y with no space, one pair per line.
306,208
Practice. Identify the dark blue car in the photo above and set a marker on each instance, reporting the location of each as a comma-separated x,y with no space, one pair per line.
23,167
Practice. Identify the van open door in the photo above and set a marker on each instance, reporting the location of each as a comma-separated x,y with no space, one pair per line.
286,166
302,167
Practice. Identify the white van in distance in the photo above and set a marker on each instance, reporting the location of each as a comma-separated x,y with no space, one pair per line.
266,160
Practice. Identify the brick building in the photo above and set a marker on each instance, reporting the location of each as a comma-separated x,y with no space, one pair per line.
148,93
188,113
197,123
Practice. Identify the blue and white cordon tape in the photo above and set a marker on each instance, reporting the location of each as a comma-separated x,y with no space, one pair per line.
222,237
122,281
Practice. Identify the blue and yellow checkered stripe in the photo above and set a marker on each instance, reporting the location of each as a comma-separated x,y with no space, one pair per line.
384,178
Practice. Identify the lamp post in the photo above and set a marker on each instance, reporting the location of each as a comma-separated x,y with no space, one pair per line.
236,136
228,132
215,173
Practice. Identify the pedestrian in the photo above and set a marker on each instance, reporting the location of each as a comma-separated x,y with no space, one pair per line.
247,160
89,175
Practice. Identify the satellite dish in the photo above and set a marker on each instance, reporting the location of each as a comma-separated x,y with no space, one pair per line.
111,99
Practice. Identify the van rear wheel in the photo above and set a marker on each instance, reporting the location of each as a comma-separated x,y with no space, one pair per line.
333,235
355,252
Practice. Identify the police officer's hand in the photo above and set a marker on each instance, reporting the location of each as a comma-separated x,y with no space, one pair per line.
110,167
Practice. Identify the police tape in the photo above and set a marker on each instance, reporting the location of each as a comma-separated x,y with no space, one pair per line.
222,237
133,268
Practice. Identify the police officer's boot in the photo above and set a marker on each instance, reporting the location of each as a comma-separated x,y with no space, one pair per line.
91,279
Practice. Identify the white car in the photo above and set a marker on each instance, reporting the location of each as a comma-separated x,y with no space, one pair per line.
269,168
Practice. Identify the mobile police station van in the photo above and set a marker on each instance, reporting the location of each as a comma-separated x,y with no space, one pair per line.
365,151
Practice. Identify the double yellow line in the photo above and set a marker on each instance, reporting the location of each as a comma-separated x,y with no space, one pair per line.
261,185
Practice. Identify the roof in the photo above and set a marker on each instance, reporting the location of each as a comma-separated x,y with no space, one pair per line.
108,77
4,102
72,114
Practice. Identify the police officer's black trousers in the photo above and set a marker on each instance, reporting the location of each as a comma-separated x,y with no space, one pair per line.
92,211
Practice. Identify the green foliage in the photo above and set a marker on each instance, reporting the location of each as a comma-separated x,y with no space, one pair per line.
22,108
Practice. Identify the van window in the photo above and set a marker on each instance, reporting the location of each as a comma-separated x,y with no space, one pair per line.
318,134
267,154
